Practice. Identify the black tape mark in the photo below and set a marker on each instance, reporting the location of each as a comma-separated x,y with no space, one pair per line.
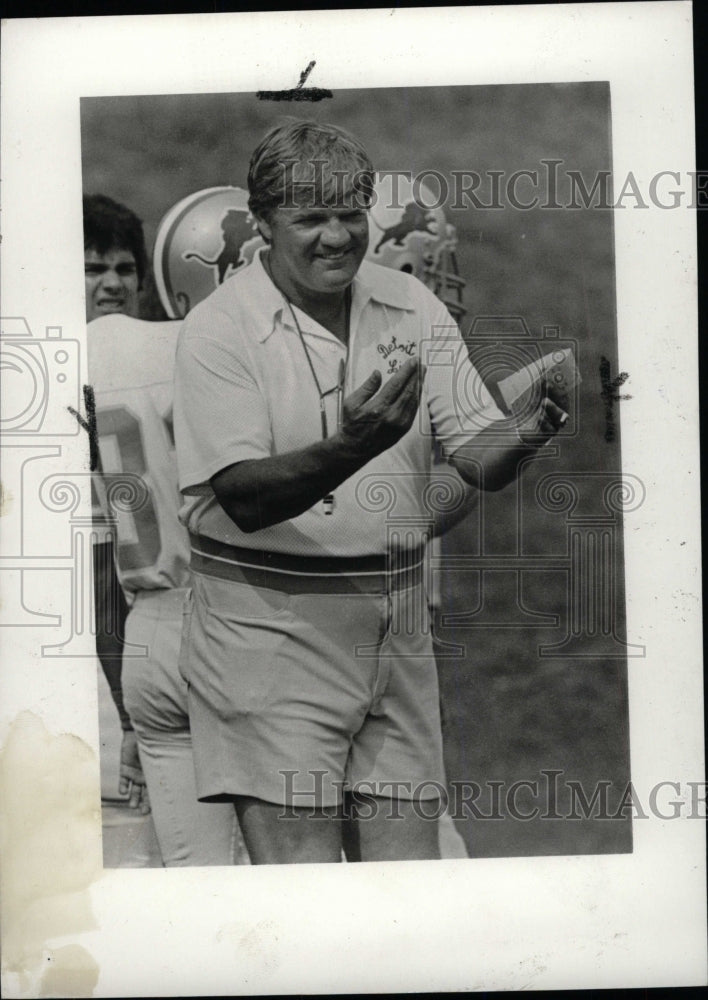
305,73
299,93
89,424
610,395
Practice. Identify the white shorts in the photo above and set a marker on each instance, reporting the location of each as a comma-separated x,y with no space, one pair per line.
296,697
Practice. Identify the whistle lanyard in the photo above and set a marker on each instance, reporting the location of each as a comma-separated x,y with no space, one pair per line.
327,501
339,387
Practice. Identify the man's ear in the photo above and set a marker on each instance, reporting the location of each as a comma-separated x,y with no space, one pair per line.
264,228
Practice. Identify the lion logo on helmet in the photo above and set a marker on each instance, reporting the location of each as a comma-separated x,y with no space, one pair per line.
229,257
416,219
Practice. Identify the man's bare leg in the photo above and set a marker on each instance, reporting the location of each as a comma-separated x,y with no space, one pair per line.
382,829
279,835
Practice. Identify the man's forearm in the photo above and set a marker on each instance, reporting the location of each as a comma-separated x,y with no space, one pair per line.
258,493
489,465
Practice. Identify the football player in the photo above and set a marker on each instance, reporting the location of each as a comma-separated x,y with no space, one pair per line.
115,260
130,368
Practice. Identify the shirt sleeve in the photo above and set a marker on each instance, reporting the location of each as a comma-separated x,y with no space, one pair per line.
459,402
220,414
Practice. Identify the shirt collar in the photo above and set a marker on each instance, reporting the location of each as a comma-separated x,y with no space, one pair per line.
382,284
266,299
372,282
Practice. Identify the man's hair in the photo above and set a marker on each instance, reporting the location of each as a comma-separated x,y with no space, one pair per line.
304,156
108,225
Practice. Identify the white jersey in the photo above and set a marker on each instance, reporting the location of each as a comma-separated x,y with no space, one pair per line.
131,365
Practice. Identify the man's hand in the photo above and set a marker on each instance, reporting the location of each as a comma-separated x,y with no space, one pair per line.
486,465
551,415
376,418
132,779
257,493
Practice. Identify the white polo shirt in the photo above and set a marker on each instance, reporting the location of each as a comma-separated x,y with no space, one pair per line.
244,390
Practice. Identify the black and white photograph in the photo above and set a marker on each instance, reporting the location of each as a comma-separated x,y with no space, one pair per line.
333,504
524,576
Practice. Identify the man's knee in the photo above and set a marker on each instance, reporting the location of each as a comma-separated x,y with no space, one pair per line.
392,829
277,834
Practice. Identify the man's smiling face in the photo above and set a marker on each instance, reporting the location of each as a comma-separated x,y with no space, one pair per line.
317,248
111,283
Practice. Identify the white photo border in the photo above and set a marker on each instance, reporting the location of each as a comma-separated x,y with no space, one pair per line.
543,923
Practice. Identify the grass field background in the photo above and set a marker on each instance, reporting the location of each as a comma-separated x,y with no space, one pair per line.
509,713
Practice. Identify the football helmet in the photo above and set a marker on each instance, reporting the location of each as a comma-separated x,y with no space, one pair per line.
407,235
202,240
209,235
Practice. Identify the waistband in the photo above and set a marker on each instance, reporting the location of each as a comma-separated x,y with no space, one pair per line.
161,602
295,574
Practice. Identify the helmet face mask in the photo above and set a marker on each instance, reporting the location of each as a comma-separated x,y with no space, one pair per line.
407,235
203,240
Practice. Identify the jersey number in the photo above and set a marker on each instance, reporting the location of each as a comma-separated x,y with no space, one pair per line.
122,450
